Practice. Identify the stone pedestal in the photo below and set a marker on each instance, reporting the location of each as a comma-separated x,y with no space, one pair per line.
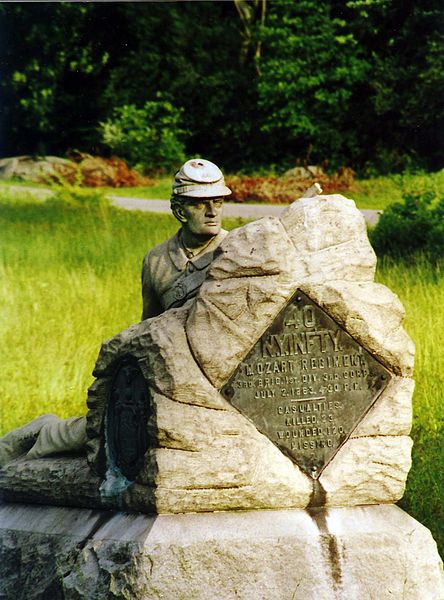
371,552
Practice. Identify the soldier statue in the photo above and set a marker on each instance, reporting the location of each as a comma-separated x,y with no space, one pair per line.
171,274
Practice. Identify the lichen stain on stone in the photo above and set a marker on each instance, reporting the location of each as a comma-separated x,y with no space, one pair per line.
329,547
318,495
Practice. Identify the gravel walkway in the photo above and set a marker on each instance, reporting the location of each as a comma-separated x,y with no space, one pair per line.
248,211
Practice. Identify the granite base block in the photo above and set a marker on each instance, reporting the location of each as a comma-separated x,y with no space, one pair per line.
372,552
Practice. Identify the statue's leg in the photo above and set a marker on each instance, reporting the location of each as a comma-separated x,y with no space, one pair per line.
18,442
68,435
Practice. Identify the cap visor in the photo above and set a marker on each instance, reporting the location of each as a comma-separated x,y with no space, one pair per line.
204,191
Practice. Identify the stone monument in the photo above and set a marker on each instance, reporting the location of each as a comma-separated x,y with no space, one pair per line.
249,442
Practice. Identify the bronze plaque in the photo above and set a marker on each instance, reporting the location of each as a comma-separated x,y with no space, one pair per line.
306,384
127,415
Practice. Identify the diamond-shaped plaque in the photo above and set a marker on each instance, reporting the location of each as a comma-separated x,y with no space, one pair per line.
306,384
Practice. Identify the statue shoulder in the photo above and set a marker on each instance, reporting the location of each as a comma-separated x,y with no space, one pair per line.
159,252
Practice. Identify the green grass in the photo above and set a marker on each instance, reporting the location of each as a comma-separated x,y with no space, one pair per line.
70,276
421,289
70,279
161,190
380,192
6,183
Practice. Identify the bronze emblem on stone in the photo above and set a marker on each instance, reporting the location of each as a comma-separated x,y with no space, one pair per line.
306,384
126,420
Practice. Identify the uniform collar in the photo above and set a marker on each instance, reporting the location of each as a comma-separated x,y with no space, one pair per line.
201,260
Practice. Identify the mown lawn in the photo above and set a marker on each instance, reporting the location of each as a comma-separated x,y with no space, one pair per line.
70,279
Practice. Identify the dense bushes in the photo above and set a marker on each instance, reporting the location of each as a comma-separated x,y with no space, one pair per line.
285,189
415,225
149,138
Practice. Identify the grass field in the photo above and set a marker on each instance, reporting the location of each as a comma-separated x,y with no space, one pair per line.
380,192
70,279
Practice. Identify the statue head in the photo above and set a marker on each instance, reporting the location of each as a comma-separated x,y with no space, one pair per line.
197,198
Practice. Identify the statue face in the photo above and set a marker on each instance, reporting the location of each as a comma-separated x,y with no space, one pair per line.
202,217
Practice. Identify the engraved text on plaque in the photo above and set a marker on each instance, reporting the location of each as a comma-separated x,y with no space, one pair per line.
306,384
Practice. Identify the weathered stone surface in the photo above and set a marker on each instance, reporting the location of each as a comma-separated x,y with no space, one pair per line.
330,233
216,460
207,460
247,285
304,173
46,168
65,481
372,314
235,313
392,412
164,355
160,345
374,552
256,249
185,427
37,545
369,470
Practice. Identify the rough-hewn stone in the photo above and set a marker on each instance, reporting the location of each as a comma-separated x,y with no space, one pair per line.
235,313
216,460
202,454
368,470
330,234
392,412
65,481
164,355
372,314
248,283
256,249
375,552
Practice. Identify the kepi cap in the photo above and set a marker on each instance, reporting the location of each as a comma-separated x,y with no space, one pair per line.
200,178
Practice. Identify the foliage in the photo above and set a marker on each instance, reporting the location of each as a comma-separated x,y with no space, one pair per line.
379,192
310,68
96,171
284,190
148,137
412,226
355,83
55,58
402,101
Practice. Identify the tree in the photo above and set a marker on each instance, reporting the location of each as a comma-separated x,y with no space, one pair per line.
311,66
356,82
403,41
191,52
55,62
147,137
